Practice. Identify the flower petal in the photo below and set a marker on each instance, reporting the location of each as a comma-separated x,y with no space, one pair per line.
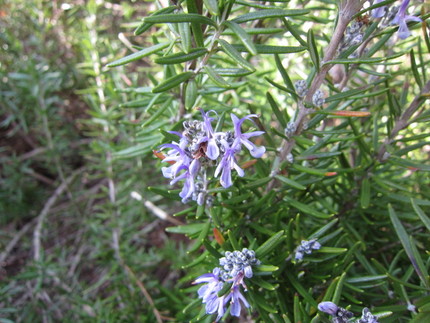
403,32
252,134
212,149
257,152
226,177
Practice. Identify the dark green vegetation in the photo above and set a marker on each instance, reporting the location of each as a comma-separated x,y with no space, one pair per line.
80,187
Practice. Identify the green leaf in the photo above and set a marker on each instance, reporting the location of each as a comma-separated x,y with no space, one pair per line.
285,77
406,243
235,55
181,57
202,236
191,94
338,290
232,72
290,182
270,244
269,13
218,80
263,284
312,171
136,150
424,218
313,50
346,94
266,268
188,229
407,163
144,26
173,195
306,209
300,289
196,261
180,17
268,49
185,33
332,250
276,110
257,31
295,32
364,60
415,69
232,240
365,279
365,193
159,112
172,82
323,229
243,36
138,55
258,183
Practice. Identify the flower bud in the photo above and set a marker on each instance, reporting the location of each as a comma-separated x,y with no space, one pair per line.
328,307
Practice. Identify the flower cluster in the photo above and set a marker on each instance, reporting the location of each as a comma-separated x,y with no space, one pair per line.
306,247
236,266
353,36
396,16
338,314
199,148
341,315
367,317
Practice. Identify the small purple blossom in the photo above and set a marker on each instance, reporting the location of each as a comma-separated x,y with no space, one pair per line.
227,163
402,19
338,314
367,317
243,138
209,292
212,151
236,265
200,148
306,247
179,158
236,299
328,307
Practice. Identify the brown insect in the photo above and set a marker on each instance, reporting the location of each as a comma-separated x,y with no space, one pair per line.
364,19
201,151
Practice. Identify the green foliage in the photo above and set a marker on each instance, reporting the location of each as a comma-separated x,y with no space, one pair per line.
352,173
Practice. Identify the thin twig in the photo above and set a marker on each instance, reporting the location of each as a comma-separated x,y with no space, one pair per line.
17,237
145,293
347,10
46,209
403,121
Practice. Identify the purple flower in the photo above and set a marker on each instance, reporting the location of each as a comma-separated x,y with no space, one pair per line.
243,138
380,11
236,298
176,155
189,176
212,151
402,19
227,163
209,292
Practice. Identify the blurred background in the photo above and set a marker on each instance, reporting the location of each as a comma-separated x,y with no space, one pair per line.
76,240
